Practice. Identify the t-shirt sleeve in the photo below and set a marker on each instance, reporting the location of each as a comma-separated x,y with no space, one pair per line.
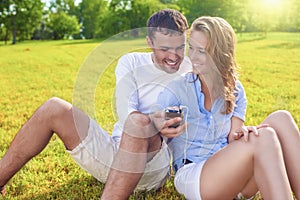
241,102
126,88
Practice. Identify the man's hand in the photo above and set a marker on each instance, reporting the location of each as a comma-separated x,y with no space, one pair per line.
163,125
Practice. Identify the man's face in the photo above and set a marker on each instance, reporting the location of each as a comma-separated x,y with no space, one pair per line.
168,51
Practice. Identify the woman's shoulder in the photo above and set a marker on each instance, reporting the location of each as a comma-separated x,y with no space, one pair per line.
239,89
239,85
183,80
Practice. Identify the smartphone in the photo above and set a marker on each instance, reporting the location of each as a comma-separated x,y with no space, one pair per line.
172,113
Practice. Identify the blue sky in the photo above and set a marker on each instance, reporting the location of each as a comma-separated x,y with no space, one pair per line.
47,2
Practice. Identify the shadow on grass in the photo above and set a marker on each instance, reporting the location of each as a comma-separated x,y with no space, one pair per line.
283,45
242,40
82,188
79,42
89,188
115,38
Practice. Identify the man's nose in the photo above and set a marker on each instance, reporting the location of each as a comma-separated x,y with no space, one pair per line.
173,55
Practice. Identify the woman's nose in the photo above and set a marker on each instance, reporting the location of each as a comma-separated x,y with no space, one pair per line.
192,55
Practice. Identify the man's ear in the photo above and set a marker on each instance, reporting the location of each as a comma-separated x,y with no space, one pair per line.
149,42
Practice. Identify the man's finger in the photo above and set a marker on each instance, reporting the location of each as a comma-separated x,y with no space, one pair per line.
173,121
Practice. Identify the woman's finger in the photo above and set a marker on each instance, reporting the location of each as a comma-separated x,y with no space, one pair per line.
253,129
262,126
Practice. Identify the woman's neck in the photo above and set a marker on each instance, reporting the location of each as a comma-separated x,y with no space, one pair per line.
212,85
205,89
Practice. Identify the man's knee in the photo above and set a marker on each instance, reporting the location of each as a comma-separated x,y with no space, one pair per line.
139,119
54,108
139,125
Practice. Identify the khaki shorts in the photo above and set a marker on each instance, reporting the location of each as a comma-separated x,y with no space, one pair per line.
95,155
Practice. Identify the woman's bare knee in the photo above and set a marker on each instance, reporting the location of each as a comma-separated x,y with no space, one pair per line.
283,123
278,116
266,135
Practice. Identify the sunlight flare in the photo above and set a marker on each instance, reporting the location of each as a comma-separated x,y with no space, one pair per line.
271,3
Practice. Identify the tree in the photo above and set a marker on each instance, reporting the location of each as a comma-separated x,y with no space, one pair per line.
231,10
92,13
63,25
293,16
130,15
4,8
20,17
141,10
67,6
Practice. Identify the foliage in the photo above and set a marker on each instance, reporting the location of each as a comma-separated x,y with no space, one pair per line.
293,17
32,72
127,15
20,18
103,18
63,25
67,6
193,8
91,16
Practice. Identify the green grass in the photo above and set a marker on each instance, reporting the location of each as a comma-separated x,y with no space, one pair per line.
32,72
270,71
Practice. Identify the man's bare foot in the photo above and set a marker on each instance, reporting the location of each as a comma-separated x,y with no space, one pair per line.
2,190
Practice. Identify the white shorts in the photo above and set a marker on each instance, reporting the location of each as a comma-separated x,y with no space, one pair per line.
96,152
187,180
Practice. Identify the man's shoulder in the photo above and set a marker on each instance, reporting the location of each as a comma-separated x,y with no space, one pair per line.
133,61
136,55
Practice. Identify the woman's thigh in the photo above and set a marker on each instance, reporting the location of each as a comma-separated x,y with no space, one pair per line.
228,171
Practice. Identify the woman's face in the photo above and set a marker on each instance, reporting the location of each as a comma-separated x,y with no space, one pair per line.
197,52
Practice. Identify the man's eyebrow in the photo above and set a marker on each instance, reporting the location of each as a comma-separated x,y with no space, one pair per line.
165,47
170,47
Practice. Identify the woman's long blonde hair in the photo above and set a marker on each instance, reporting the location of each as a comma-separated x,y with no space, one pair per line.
221,48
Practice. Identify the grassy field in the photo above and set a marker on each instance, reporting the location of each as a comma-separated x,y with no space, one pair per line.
32,72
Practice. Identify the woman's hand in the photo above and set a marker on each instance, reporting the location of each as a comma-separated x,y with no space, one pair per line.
244,131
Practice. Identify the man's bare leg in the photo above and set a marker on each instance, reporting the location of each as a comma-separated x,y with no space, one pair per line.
55,115
139,143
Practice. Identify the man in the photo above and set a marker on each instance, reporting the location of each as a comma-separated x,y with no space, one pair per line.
140,147
142,76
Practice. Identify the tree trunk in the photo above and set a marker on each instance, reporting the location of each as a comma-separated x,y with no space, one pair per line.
14,32
6,36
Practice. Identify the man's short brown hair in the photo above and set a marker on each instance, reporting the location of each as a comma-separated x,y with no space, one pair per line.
167,21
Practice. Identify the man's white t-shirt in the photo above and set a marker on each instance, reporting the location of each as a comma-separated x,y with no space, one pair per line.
138,84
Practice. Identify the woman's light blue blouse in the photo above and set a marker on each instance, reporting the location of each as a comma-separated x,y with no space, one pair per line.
208,130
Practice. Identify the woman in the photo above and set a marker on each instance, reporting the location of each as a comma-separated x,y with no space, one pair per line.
217,157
